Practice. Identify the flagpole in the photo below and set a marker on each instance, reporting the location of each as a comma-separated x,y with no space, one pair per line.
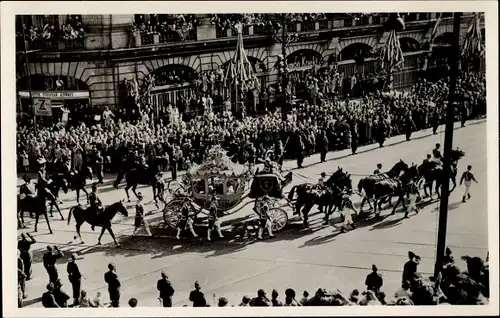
29,79
448,145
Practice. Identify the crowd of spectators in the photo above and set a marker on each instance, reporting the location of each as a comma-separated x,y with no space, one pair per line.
51,34
309,119
452,286
170,27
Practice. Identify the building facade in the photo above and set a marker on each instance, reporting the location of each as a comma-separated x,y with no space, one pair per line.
96,67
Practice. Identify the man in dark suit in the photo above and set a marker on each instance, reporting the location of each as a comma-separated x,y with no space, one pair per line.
75,278
49,262
166,290
111,278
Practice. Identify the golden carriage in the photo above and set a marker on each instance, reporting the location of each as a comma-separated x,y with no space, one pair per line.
221,177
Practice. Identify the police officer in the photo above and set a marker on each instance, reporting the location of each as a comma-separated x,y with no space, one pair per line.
95,203
49,262
24,246
75,278
99,165
323,146
111,278
409,126
166,290
435,121
265,222
139,216
374,280
467,178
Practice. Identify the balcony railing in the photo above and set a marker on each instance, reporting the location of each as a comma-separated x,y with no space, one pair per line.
50,44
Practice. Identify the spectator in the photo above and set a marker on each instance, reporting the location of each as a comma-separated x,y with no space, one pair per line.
48,298
111,278
404,291
49,262
75,278
374,280
410,268
85,301
222,302
261,300
245,302
305,298
60,295
275,301
166,290
132,302
197,296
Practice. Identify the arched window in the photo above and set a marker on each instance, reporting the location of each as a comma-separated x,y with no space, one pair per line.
409,44
355,50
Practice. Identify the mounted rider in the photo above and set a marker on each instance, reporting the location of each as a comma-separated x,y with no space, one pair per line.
436,153
321,182
95,203
43,181
378,170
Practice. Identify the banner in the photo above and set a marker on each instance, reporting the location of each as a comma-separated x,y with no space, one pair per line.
43,107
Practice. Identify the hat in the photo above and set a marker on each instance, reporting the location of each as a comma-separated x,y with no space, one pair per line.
26,178
139,195
374,268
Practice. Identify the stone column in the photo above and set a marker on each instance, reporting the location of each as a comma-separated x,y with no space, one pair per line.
107,31
205,30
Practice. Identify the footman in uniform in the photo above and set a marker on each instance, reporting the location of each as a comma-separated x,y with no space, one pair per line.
139,216
213,219
467,178
265,222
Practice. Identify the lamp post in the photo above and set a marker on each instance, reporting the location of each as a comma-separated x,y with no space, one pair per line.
448,144
28,73
285,40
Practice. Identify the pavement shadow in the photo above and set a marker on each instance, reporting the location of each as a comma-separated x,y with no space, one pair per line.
387,224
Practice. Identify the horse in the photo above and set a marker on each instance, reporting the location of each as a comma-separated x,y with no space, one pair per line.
136,176
37,205
104,219
385,189
78,180
57,183
308,195
368,183
432,171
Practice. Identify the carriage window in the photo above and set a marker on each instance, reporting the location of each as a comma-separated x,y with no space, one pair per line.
217,184
233,185
199,186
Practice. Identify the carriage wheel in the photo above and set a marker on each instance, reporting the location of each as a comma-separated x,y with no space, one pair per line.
279,218
171,213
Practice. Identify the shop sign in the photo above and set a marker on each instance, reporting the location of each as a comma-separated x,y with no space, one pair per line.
58,95
43,107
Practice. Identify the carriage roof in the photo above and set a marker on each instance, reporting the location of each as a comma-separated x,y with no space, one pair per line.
217,164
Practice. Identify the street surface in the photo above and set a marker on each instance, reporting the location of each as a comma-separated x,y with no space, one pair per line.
296,258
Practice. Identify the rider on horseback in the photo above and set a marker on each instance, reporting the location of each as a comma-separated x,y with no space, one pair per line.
437,155
95,202
379,167
43,180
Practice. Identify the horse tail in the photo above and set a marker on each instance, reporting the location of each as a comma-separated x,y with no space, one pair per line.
292,192
69,214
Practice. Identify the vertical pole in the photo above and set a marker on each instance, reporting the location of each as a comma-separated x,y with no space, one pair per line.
283,51
448,142
29,78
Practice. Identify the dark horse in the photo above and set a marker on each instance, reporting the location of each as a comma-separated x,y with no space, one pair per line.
368,183
77,180
309,194
57,184
136,176
37,205
385,189
103,220
432,171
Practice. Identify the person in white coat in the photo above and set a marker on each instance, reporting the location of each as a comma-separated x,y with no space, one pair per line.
347,209
467,178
